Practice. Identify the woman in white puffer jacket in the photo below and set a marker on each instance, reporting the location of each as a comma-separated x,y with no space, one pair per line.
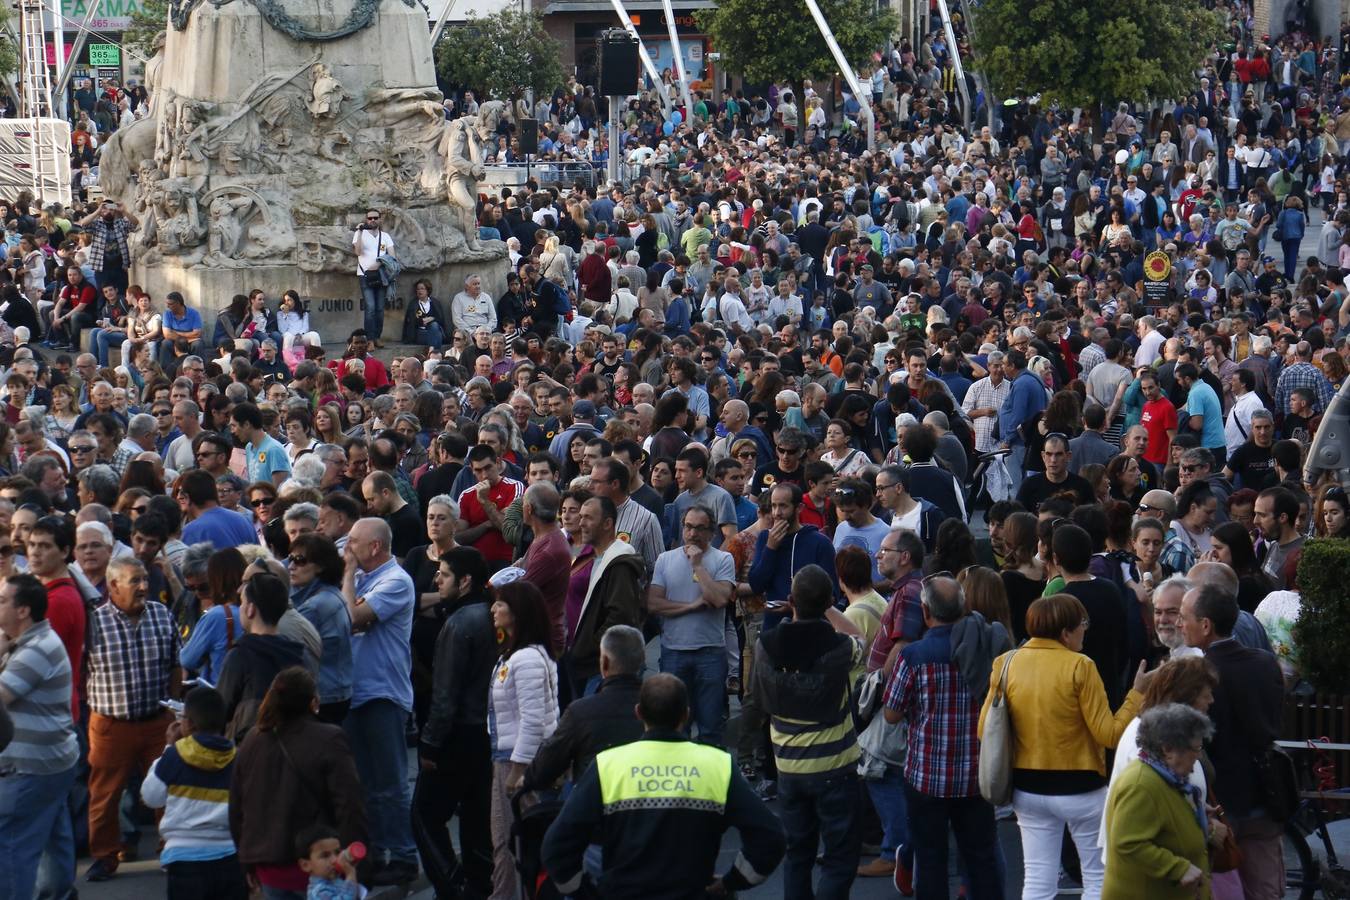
522,711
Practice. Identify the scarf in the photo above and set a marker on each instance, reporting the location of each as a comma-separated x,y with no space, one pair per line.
1183,786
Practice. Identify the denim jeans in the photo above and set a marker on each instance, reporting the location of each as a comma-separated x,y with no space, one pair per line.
816,809
888,798
34,820
1017,458
374,294
378,735
972,823
704,673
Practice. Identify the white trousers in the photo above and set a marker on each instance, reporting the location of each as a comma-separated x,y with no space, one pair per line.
1041,819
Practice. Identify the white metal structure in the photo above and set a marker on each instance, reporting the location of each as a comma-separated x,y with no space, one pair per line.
864,97
36,134
677,54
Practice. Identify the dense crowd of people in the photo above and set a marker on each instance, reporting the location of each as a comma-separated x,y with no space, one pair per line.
748,413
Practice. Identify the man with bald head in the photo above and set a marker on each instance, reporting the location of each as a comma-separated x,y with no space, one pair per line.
736,419
381,599
1247,631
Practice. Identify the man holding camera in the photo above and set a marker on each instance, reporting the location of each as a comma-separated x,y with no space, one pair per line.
109,254
369,242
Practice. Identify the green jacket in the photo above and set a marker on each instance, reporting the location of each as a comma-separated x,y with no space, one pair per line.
1152,839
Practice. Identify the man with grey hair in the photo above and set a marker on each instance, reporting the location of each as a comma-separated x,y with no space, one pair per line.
1150,341
603,720
931,693
1250,464
1093,353
984,399
187,606
690,589
99,484
46,472
308,471
302,518
548,562
381,600
1166,615
473,306
140,434
1247,715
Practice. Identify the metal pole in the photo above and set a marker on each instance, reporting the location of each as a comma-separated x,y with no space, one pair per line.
612,167
864,99
679,58
956,62
440,23
652,72
63,80
59,54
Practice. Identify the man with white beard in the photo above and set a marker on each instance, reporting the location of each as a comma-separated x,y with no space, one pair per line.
1167,613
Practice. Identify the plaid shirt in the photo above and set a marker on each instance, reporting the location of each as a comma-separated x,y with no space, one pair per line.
984,395
1303,375
130,663
928,691
1177,555
102,231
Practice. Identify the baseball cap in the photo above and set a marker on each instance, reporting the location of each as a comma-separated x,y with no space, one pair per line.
583,409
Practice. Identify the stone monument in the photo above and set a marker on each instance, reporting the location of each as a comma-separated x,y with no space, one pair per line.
274,126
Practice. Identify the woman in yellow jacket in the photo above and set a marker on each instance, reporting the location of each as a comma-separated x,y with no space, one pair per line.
1061,725
1158,833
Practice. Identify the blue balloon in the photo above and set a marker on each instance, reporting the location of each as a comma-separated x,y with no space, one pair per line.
677,117
667,129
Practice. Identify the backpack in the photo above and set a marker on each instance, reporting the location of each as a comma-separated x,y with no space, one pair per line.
561,303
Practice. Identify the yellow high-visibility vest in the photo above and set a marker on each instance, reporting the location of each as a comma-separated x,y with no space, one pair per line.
657,775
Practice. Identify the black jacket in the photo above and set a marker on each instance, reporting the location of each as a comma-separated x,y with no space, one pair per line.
590,725
1247,710
247,673
461,672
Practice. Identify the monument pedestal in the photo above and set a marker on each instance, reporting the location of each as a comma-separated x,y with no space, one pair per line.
334,299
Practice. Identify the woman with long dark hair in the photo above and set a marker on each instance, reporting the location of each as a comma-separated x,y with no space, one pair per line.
1230,544
523,707
291,772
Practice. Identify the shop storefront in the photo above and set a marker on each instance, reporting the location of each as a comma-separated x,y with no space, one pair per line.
577,23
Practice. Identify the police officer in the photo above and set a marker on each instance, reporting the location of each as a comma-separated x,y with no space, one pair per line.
658,807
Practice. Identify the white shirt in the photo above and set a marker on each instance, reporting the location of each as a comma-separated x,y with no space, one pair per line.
733,312
1238,427
370,246
1149,347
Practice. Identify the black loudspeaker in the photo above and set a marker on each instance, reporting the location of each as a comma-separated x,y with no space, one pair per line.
529,136
618,60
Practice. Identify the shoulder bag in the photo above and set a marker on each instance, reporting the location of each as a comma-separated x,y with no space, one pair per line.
996,746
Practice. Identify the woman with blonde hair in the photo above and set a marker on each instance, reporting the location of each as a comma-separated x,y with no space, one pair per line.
1062,725
553,263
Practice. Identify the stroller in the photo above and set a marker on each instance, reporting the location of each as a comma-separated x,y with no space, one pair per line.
528,827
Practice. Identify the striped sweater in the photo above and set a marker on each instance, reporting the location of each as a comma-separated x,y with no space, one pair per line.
191,782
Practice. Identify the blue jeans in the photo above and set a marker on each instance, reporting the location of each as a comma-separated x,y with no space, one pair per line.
972,823
1017,458
377,733
888,798
704,673
34,820
816,808
374,294
101,340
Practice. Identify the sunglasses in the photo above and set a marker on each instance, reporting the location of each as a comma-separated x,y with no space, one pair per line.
140,509
260,502
297,560
197,587
82,449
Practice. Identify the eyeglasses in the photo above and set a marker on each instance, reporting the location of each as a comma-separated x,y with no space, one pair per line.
260,502
688,527
297,560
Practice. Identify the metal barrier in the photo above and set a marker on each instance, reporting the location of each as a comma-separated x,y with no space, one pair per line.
559,173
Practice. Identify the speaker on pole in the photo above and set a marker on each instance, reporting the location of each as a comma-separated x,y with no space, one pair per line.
529,136
619,67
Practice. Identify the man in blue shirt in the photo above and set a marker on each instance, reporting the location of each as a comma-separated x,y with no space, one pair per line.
380,598
1026,397
1206,415
180,321
211,522
266,459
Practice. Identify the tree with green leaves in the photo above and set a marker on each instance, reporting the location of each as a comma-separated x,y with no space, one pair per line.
1091,53
501,56
768,42
9,51
150,18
